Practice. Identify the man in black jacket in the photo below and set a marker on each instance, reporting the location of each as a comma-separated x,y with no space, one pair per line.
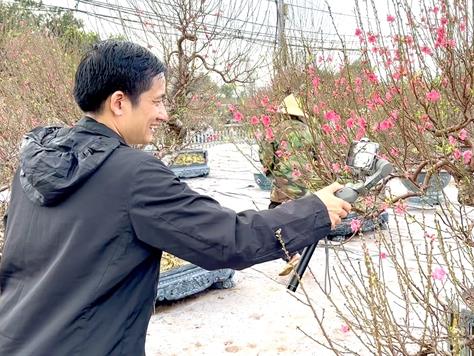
89,217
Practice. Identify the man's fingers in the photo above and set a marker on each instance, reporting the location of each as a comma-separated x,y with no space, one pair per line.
343,214
346,206
334,187
335,220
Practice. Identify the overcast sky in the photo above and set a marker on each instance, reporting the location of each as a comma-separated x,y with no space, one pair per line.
306,18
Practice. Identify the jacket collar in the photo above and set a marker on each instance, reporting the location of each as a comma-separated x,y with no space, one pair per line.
90,124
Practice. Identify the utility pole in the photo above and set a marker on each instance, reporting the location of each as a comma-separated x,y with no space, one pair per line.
281,57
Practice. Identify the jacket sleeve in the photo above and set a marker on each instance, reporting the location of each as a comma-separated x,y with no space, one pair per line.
168,215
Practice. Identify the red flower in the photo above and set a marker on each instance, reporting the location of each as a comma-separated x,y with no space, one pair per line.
356,224
439,274
467,156
350,122
296,173
265,120
238,116
394,151
345,328
457,154
332,116
426,50
315,82
372,38
265,101
433,96
400,208
269,136
326,129
254,120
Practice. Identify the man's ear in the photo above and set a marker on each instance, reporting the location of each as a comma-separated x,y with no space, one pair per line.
117,103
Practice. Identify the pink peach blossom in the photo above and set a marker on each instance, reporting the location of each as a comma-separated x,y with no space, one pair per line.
272,108
269,136
254,120
463,134
439,274
457,154
361,131
426,50
265,101
350,122
372,38
342,140
394,151
296,173
265,120
467,156
326,129
316,109
400,208
332,116
336,167
382,255
372,77
356,224
238,116
431,237
345,328
390,18
315,82
433,96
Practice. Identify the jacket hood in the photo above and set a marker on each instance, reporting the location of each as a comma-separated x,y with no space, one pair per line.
55,161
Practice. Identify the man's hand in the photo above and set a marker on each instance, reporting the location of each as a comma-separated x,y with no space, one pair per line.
337,208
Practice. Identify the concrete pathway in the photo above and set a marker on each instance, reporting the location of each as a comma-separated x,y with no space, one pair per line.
258,316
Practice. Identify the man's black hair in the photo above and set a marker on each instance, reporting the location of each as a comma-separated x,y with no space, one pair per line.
114,65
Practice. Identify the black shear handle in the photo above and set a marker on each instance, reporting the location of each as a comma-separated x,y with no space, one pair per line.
302,265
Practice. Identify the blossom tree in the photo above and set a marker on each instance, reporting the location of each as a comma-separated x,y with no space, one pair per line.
198,48
409,88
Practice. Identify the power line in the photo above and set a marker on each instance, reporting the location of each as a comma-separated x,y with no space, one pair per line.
321,10
224,33
151,14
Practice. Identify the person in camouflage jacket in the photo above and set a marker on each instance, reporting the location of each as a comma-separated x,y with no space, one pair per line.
287,159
